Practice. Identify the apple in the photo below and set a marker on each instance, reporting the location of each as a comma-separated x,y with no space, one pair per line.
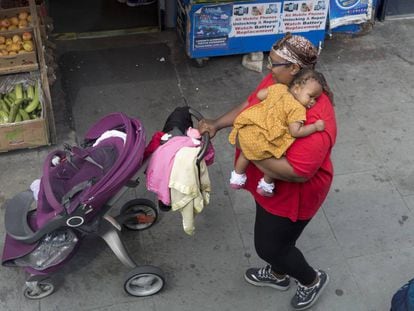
26,36
22,23
14,21
5,23
23,15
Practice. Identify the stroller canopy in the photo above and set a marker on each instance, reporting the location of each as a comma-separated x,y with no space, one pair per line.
95,173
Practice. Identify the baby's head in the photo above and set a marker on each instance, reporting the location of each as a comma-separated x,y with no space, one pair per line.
307,86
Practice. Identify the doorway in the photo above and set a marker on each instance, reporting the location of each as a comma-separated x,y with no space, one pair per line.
395,9
80,16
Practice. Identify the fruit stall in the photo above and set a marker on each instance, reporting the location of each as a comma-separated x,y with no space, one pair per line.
26,114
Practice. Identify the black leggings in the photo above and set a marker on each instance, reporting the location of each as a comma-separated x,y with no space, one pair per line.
275,238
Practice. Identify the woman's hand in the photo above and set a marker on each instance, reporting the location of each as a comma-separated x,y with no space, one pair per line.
208,125
320,125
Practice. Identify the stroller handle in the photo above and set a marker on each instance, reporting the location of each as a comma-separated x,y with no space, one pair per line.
205,137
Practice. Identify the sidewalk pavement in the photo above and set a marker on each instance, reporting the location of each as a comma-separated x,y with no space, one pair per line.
363,236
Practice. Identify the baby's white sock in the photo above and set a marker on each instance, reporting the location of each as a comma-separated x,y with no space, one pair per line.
238,179
268,187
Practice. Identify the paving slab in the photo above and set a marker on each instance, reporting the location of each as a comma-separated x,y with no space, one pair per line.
366,214
380,275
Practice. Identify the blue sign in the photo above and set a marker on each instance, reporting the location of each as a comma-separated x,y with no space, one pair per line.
212,25
348,12
347,4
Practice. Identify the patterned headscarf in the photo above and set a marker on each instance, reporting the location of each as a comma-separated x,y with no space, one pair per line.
297,50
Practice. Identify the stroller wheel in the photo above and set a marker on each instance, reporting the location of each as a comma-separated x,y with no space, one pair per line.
138,214
38,290
144,281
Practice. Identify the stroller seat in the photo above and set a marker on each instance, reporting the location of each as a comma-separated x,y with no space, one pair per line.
66,180
16,216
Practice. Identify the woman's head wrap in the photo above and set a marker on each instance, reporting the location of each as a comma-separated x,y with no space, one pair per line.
297,50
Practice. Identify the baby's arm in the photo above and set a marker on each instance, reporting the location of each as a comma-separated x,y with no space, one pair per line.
297,129
262,94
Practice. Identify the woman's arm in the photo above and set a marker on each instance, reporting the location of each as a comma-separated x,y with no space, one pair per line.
279,169
213,125
303,159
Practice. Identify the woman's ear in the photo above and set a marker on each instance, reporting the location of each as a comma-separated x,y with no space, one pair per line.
295,69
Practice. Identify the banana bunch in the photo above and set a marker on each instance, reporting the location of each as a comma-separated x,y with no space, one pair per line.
20,104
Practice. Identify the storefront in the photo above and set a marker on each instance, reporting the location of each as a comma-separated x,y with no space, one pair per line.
395,9
101,18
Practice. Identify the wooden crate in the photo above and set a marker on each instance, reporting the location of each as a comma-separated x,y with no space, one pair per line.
14,12
50,120
18,63
41,14
26,134
7,4
21,62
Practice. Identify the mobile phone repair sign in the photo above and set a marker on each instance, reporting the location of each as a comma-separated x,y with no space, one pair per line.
348,12
256,19
303,16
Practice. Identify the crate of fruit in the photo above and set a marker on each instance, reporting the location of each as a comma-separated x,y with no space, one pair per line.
17,52
12,19
18,18
23,122
21,18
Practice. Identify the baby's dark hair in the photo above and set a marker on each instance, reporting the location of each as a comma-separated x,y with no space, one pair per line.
306,74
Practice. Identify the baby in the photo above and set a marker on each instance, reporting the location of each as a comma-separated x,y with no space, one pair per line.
268,128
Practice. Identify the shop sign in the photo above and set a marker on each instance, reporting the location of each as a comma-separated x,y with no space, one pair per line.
212,25
302,16
348,12
255,19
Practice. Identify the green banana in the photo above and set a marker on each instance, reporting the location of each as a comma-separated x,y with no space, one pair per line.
4,117
4,106
18,90
14,109
30,92
24,114
8,101
18,118
35,101
11,95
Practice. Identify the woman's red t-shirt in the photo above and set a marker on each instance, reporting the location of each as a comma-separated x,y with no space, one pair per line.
309,156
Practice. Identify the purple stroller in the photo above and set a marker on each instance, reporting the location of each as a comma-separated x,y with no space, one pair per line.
78,187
